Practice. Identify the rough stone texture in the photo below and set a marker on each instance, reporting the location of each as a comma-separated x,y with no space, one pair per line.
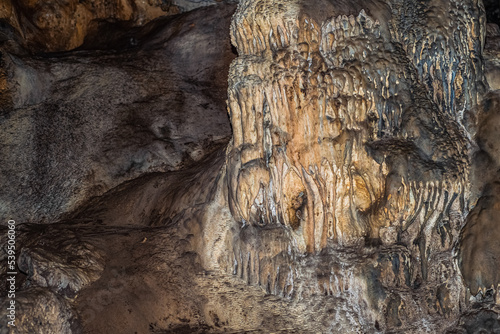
479,246
318,104
359,192
40,311
84,122
63,25
492,56
65,265
59,25
348,131
479,242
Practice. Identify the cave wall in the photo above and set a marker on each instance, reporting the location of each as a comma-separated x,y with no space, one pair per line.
354,187
353,127
82,123
317,106
58,25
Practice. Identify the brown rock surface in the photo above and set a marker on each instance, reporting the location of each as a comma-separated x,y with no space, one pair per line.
492,56
358,194
325,109
480,238
84,122
59,25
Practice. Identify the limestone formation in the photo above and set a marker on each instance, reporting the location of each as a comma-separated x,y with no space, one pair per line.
84,122
349,130
479,240
317,105
358,193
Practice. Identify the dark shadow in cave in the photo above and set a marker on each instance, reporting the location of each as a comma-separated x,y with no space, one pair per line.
492,8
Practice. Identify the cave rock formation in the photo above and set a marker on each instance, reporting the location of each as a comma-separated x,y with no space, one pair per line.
357,193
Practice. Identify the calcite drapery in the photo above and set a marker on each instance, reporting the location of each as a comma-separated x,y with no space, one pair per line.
352,128
348,120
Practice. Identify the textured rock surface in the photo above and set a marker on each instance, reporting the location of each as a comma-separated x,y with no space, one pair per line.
348,131
492,56
317,105
359,192
40,311
84,122
65,265
58,25
479,242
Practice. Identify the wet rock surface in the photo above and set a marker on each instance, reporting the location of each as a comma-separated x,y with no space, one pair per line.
357,193
348,134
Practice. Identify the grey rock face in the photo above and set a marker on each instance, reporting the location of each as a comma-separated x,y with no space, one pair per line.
87,121
66,270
